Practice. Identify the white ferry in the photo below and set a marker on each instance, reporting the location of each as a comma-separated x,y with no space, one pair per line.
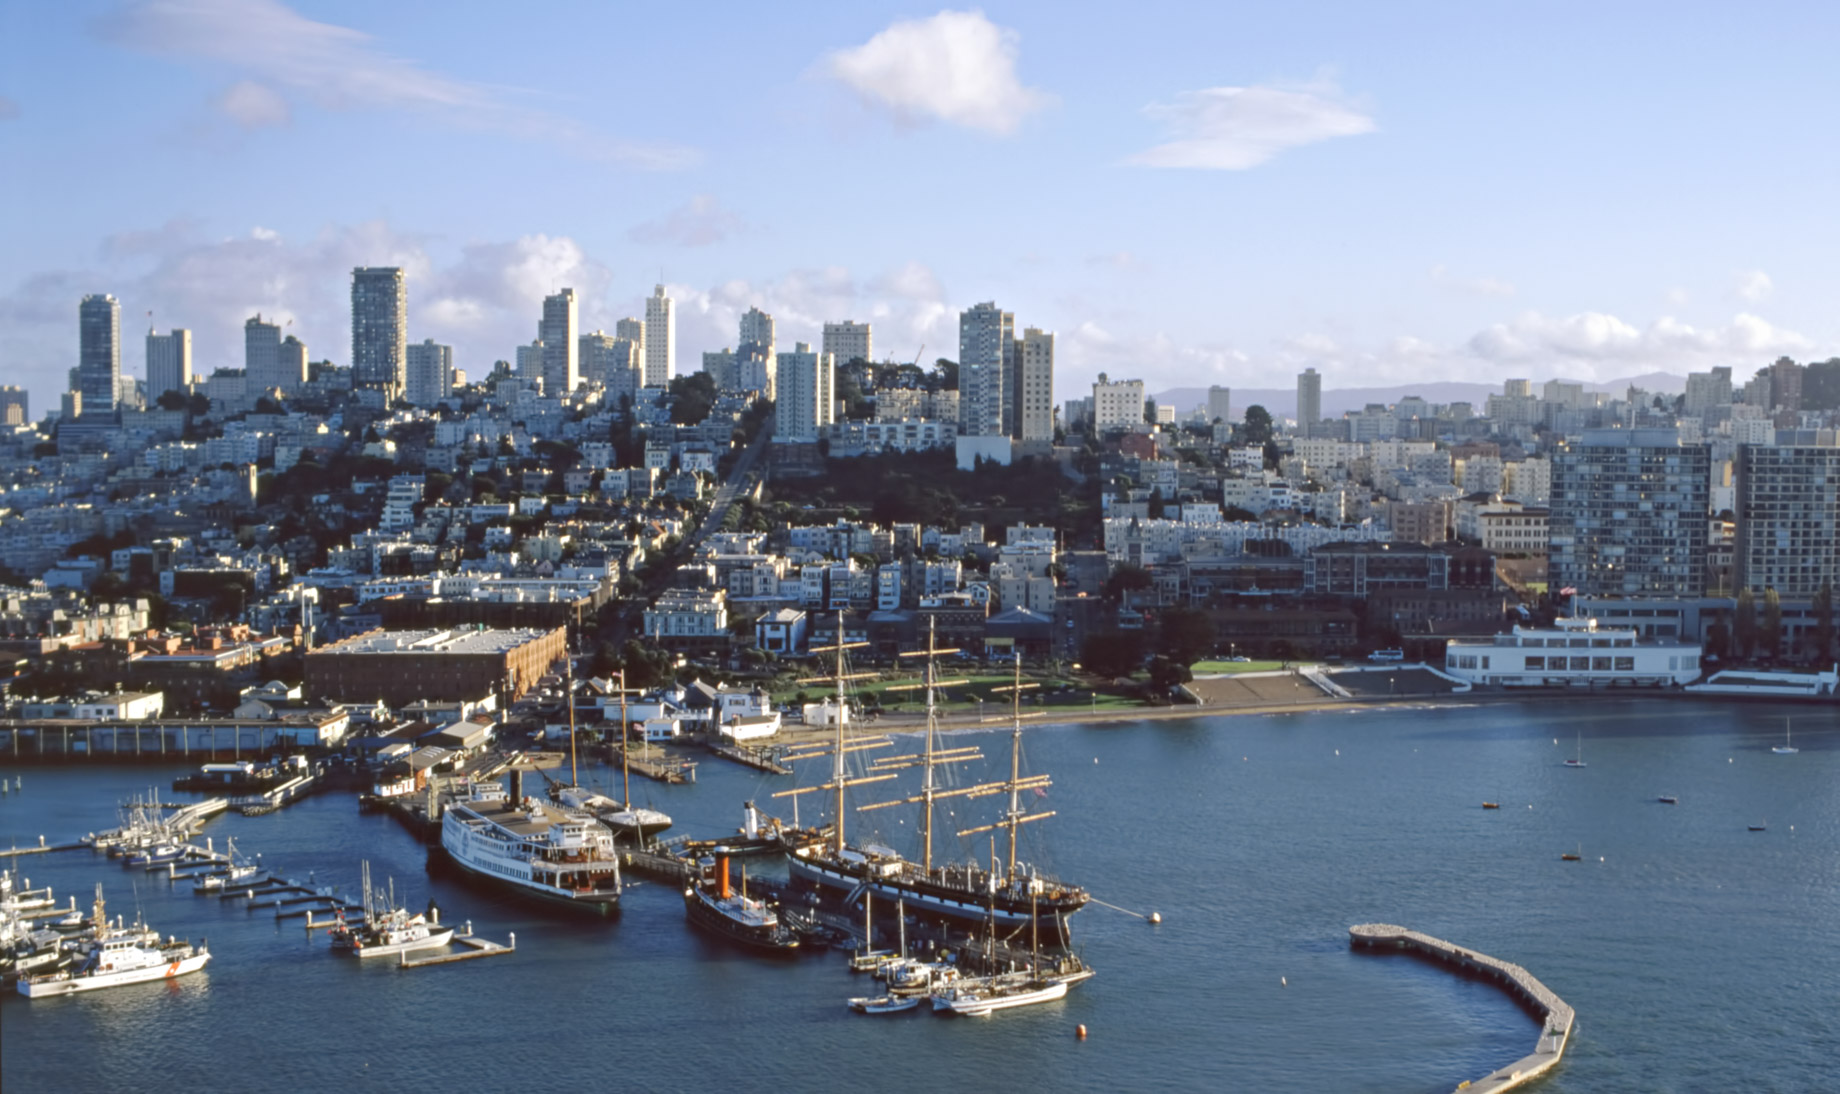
534,848
120,955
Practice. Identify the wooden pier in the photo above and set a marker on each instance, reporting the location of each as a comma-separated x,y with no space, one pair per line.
670,771
663,867
760,759
1559,1018
471,947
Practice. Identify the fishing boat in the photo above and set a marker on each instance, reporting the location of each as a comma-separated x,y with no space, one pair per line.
1787,748
532,847
717,907
120,955
238,874
957,893
387,929
1491,805
1576,759
987,995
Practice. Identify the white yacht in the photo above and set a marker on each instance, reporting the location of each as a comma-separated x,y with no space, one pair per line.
533,847
988,994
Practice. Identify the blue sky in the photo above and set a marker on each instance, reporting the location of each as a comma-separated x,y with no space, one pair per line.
1387,192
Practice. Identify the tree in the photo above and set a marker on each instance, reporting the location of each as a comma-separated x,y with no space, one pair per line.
1156,505
1150,411
1824,623
1744,624
1185,635
1256,429
1772,634
1166,673
1113,653
1127,578
172,400
944,376
692,396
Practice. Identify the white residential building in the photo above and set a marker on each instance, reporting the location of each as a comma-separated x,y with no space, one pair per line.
985,337
660,339
169,362
1117,404
806,400
561,350
1034,388
848,341
430,373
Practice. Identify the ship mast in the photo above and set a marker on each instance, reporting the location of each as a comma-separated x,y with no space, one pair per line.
625,760
1014,817
838,779
926,785
932,756
568,697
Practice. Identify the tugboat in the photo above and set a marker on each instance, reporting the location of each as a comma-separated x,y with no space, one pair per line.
734,915
120,955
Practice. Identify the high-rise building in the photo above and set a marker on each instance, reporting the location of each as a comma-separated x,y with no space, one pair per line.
1706,390
1309,402
1786,384
985,341
291,364
807,387
379,328
1788,527
755,360
530,361
660,339
1034,388
261,356
1629,514
1117,404
429,373
561,352
98,353
15,407
848,341
169,362
1220,404
607,359
720,365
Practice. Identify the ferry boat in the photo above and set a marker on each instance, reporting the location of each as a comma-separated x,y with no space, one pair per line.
120,955
533,847
1015,897
719,909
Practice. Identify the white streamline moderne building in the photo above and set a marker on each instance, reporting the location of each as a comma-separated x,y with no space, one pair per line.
1573,653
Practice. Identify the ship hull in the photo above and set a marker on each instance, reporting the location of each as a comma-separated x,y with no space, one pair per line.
600,903
71,985
779,941
960,906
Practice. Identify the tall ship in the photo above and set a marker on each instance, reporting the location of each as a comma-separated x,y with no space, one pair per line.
534,848
119,955
636,823
1009,896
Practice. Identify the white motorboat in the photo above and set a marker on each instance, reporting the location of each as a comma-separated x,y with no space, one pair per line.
884,1004
990,994
387,930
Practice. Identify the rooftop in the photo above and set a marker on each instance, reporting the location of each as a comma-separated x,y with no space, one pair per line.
438,640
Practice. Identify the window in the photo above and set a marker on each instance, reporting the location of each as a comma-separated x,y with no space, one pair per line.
1625,664
1534,663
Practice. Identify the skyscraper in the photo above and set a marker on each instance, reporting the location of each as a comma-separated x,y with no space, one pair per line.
530,361
755,361
660,339
430,373
561,360
379,328
806,394
169,362
98,353
985,337
1220,404
1035,387
1309,402
1629,514
1788,528
261,356
848,341
291,364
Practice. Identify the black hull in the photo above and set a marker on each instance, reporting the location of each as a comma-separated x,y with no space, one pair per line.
780,941
970,910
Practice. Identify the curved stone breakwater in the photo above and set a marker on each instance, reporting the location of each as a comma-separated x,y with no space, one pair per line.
1556,1032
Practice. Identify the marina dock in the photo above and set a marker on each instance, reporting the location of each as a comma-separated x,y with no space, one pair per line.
760,759
255,805
471,946
1558,1017
667,770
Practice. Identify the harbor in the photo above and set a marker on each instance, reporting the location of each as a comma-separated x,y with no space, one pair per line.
1258,896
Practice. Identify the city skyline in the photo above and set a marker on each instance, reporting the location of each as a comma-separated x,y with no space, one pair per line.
1380,200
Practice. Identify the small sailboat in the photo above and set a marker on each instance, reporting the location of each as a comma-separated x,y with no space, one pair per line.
1669,799
1787,748
1576,759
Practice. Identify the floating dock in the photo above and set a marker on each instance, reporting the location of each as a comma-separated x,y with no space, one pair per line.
1559,1018
471,947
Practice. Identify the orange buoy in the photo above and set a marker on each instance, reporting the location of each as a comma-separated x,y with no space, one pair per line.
1080,1032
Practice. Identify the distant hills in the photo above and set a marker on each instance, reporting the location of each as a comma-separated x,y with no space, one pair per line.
1282,402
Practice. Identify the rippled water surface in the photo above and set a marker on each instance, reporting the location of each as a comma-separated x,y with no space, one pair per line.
1699,955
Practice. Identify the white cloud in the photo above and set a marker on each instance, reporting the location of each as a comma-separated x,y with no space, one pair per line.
1235,128
253,105
907,306
698,222
339,68
1752,285
9,110
955,67
1595,340
1477,286
1124,261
